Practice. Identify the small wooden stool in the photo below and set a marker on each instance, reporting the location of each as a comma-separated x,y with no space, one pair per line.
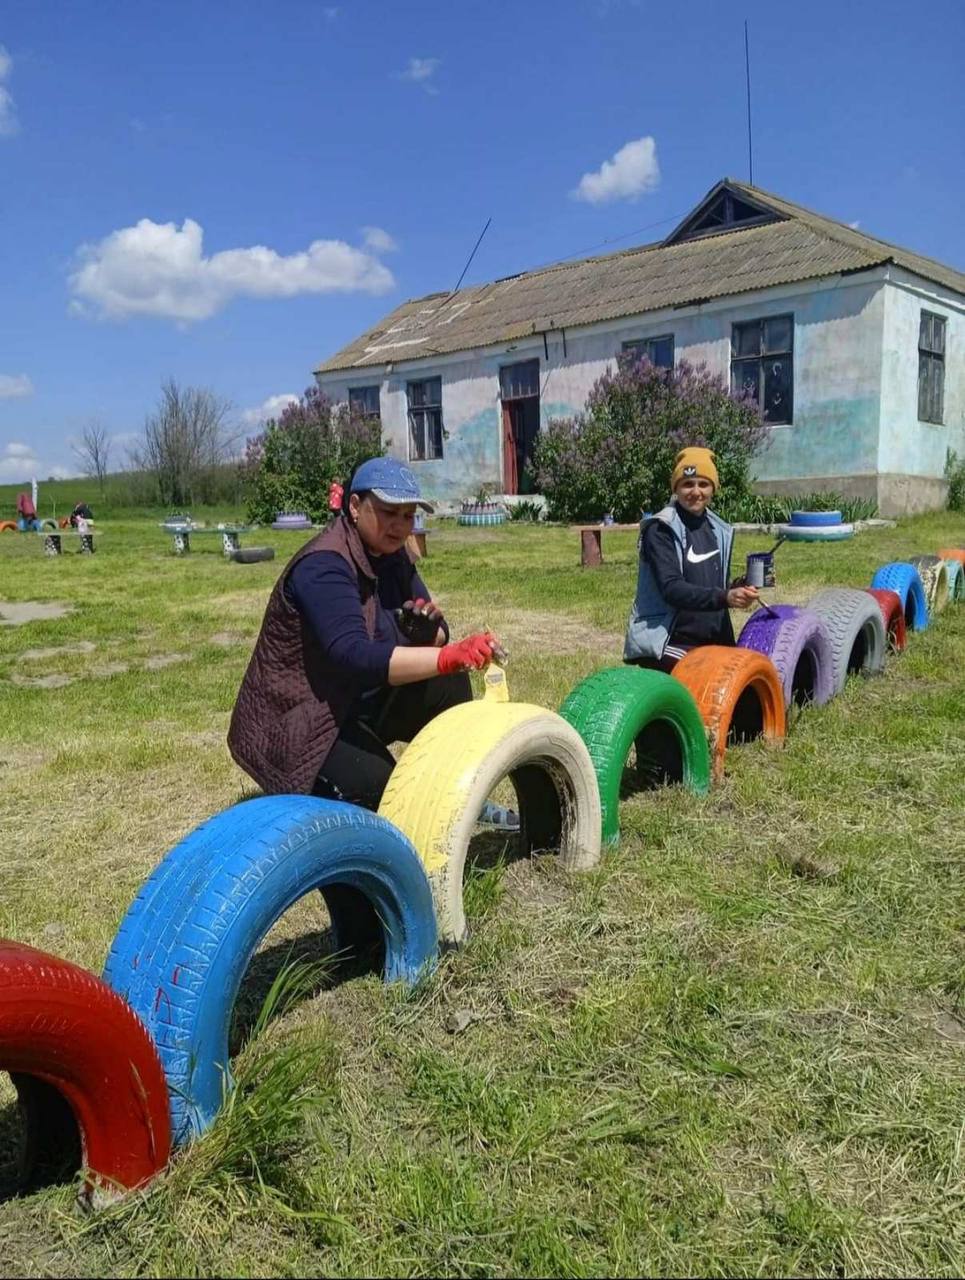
591,541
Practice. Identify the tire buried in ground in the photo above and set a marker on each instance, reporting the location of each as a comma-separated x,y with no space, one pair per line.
856,628
955,572
798,644
88,1078
934,576
904,579
438,788
626,707
184,946
252,555
738,694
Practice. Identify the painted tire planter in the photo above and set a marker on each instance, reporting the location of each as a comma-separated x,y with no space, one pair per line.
856,628
83,1065
904,579
798,644
815,533
945,553
438,788
183,947
812,519
893,616
738,694
956,580
934,578
624,707
482,518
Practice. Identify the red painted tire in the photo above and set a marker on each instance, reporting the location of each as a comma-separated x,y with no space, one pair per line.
64,522
8,526
893,615
63,1029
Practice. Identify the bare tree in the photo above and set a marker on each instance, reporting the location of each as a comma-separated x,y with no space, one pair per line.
185,441
93,451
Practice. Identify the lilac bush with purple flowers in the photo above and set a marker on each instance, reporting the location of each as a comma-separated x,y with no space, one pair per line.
289,466
617,455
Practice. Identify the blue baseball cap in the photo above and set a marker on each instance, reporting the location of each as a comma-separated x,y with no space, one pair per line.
391,481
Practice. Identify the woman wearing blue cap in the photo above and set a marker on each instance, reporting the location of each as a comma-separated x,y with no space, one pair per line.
352,653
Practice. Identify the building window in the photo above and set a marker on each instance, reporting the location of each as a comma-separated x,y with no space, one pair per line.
931,368
425,419
363,402
762,365
659,351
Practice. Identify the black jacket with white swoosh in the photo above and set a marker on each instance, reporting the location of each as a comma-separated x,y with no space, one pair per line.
700,592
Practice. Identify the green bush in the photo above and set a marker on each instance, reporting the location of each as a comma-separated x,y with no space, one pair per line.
955,474
618,454
757,508
290,465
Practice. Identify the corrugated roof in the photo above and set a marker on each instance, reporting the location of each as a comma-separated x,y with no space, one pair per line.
798,245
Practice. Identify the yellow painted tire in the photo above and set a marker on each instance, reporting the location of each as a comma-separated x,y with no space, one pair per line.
439,786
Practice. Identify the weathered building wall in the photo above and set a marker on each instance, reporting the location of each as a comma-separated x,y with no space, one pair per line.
833,442
911,453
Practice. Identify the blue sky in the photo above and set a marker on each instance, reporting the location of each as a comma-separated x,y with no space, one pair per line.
225,193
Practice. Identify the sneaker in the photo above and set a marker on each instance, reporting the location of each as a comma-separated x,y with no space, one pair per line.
494,815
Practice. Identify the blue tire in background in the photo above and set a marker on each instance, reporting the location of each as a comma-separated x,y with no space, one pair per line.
184,946
905,579
813,518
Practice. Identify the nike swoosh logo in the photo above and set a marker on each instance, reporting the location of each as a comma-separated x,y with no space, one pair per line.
704,556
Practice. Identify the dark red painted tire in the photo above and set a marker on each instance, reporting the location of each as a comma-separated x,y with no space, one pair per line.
63,1029
893,615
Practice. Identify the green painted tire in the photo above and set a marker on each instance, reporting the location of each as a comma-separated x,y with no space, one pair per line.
616,708
956,580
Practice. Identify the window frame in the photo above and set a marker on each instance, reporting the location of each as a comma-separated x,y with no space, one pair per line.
931,364
760,358
645,346
425,418
366,414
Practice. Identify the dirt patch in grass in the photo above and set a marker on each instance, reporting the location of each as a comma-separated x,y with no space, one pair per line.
56,680
38,655
110,669
15,615
164,660
532,629
228,639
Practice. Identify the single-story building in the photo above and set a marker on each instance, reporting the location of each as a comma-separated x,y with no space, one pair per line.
854,347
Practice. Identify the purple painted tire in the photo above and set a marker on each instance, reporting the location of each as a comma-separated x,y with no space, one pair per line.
798,644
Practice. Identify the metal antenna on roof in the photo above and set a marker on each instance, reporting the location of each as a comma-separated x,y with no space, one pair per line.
747,68
471,256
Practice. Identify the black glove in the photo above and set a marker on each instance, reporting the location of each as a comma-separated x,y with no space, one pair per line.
419,621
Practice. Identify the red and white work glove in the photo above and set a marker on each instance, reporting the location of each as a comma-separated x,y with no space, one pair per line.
473,653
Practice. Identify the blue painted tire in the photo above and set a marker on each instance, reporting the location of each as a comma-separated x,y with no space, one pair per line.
905,579
815,532
956,581
815,518
184,946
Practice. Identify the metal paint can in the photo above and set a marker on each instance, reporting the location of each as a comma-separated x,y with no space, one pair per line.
760,569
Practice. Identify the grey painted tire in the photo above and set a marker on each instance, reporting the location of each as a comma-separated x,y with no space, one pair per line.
856,629
252,555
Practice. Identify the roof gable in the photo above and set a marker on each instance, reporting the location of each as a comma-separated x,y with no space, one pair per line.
724,208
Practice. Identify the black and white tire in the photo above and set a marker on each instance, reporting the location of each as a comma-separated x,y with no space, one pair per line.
252,555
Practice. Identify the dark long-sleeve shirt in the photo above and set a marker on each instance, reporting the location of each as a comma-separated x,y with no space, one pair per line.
325,590
699,591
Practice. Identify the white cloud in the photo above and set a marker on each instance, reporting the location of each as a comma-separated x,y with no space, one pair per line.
330,12
17,450
420,71
20,462
378,241
270,408
855,225
159,269
9,124
14,385
630,173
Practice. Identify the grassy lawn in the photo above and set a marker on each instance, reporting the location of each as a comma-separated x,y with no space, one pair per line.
737,1048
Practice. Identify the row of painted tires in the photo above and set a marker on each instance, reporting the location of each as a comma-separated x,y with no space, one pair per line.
10,526
141,1058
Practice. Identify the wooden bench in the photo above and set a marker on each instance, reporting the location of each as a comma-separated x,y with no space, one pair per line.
416,544
52,539
591,540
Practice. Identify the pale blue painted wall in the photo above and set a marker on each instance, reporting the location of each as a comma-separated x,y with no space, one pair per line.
847,335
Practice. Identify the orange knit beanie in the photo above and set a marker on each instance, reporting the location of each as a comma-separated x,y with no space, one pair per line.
695,462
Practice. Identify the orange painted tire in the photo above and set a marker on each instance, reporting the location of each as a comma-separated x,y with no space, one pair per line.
945,553
737,691
8,525
64,522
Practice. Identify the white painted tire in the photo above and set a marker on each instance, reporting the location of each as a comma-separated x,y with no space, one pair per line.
856,628
438,788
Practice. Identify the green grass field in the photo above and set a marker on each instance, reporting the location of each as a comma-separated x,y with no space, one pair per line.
737,1048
